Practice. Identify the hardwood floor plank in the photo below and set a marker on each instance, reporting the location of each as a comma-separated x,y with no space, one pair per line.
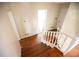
32,47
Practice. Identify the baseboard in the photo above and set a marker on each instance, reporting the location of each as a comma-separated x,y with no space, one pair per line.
75,44
24,36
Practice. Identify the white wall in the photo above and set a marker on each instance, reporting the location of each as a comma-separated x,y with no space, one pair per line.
71,24
12,20
16,10
53,10
9,44
23,11
62,14
28,11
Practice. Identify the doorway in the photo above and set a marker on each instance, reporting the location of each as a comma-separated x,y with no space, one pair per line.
41,16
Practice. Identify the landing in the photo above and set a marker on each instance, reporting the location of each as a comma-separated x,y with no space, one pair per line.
32,47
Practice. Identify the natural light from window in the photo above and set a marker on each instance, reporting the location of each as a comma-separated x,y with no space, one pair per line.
42,14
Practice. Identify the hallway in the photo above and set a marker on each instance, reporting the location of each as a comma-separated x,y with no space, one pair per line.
35,29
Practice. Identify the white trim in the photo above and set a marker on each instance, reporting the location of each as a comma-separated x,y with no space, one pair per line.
75,44
12,21
62,49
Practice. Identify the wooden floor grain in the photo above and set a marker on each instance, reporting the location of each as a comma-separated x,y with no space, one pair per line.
32,47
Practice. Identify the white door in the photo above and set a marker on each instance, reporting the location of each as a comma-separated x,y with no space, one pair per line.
12,20
27,25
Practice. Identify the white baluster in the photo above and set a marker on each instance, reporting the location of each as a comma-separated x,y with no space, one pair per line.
47,38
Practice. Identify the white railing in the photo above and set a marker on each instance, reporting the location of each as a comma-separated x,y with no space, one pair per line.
56,39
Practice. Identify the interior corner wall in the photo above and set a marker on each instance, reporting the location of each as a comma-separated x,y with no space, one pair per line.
21,12
16,10
62,14
71,24
53,10
71,20
9,44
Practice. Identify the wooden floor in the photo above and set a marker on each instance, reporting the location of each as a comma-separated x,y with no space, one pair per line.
32,47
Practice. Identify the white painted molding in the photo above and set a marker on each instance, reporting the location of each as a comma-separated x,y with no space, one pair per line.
75,44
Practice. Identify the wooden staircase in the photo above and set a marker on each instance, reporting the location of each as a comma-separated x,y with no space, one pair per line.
46,44
59,40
